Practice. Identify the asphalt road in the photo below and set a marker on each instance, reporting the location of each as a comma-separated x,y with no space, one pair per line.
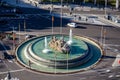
42,24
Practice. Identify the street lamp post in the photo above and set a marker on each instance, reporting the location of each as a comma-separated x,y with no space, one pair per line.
19,34
51,8
83,1
104,39
117,4
105,7
94,2
25,28
52,15
67,60
61,18
101,41
52,23
16,1
73,1
55,63
13,35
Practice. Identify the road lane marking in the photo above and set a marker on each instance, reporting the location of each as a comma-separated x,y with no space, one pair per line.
12,71
112,45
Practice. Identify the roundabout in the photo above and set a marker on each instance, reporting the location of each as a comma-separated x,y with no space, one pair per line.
37,54
39,61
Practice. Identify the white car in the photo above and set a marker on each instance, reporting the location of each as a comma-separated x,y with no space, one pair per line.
117,21
72,25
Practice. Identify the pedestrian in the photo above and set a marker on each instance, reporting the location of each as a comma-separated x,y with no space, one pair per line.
0,60
79,17
29,63
86,19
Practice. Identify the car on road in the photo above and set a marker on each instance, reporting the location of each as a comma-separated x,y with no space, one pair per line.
72,24
117,21
0,60
29,36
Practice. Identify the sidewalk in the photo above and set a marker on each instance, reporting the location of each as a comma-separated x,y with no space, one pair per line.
108,21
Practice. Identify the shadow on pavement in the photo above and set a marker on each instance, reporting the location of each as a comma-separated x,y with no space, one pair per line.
106,57
8,56
81,27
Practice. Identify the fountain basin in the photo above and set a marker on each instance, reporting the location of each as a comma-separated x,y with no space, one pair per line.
84,54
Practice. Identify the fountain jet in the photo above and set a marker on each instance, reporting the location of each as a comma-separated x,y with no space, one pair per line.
46,50
70,38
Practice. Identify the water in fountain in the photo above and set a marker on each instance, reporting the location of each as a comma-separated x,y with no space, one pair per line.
46,50
70,38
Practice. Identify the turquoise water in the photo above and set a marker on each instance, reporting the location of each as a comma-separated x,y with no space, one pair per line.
78,48
37,47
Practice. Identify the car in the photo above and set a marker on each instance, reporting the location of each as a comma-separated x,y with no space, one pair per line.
117,21
72,24
29,36
0,60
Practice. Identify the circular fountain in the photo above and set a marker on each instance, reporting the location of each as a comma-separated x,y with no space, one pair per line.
58,53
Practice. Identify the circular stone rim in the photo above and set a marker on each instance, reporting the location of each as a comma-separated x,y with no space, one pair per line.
95,43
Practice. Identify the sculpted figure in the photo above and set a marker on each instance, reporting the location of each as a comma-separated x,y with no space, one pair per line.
59,45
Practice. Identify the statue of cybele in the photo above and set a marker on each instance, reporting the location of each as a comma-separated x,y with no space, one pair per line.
59,45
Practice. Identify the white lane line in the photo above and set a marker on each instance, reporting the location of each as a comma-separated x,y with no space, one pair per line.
12,71
113,50
112,45
117,76
10,61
